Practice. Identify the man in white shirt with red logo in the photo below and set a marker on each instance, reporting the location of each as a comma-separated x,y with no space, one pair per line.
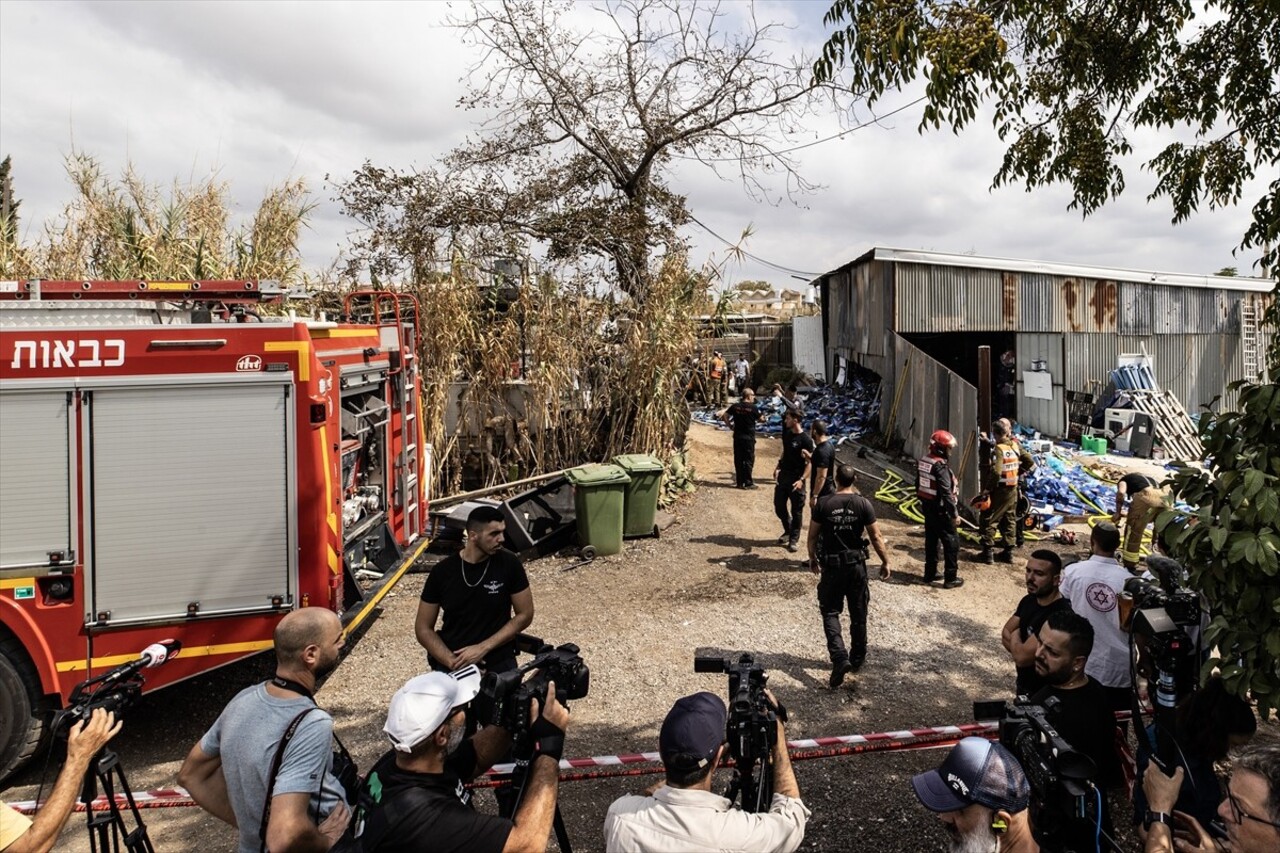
1093,587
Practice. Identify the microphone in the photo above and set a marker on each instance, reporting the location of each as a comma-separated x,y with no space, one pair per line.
157,653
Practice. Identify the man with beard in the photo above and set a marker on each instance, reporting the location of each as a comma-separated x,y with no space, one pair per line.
1044,571
415,793
484,594
229,770
980,794
1079,709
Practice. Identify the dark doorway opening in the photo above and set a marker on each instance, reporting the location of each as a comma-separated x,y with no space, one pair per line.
958,352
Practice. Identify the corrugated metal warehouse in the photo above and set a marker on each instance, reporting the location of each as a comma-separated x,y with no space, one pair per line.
921,316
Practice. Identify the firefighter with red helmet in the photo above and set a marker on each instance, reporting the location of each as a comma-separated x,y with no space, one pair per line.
937,490
1009,461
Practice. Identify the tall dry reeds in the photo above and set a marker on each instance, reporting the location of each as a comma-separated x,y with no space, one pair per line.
128,228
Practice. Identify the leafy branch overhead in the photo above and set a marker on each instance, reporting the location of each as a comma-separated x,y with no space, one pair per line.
1070,82
589,109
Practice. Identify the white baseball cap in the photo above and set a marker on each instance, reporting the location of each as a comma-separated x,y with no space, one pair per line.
425,701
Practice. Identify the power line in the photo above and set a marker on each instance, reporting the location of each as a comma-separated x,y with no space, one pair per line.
747,254
825,139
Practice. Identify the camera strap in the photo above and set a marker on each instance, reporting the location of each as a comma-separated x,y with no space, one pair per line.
289,684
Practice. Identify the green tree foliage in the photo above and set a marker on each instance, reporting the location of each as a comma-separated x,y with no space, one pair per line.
1070,81
1231,543
591,108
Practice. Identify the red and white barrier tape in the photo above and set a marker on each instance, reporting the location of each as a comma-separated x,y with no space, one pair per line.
578,768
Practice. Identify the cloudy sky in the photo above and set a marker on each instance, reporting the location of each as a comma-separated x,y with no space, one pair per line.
258,92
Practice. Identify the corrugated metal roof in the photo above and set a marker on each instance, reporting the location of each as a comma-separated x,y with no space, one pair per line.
1080,271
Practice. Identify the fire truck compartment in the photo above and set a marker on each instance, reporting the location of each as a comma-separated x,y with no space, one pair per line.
35,490
192,496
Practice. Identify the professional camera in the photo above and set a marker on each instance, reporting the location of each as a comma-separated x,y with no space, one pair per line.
1165,653
116,690
1064,798
504,696
752,728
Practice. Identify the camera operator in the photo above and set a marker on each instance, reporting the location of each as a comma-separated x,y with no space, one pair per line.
1044,572
415,792
981,795
1208,725
1250,810
684,815
1082,717
840,522
1093,587
229,771
19,834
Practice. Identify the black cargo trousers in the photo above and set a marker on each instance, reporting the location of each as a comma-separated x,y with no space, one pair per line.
939,529
844,581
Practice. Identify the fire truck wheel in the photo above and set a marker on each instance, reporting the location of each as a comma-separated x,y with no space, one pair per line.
22,710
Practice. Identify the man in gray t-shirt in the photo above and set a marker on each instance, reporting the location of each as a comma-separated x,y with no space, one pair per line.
227,771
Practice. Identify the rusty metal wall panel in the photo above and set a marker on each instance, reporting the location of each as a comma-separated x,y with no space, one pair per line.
1040,304
1088,305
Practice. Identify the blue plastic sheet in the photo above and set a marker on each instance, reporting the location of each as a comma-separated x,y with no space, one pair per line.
850,412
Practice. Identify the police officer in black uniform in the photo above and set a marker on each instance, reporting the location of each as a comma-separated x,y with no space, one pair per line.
936,488
743,416
838,538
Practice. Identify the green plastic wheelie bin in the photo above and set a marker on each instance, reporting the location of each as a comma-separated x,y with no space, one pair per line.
641,507
599,494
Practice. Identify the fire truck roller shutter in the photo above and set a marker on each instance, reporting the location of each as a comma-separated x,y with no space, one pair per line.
193,499
35,504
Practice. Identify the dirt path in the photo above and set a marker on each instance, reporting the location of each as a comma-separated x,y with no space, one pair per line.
714,579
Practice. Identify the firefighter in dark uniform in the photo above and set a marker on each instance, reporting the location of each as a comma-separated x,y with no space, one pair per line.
842,524
936,488
1008,463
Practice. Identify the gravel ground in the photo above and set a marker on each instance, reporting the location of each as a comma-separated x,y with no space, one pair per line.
714,579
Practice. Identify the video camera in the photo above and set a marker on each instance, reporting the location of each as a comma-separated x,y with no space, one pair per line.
504,697
752,728
1064,797
1161,614
116,690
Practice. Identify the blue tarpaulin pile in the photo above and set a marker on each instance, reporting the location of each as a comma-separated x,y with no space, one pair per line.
849,412
1061,483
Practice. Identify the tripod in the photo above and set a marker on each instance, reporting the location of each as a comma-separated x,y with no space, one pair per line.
109,825
508,809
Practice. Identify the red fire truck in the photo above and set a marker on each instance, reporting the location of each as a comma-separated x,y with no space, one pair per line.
176,464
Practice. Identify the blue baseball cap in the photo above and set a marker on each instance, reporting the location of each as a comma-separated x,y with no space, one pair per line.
975,771
693,730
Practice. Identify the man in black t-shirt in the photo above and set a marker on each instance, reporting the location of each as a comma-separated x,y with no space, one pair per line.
1044,573
822,466
789,477
842,523
1081,711
743,416
484,593
414,798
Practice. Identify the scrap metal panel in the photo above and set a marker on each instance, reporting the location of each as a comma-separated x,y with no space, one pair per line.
806,346
1048,416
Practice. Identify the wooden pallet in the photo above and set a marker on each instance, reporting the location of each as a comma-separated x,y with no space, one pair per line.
1174,430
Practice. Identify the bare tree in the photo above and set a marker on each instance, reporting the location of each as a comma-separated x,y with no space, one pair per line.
591,107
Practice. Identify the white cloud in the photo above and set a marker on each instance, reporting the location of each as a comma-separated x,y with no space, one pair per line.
260,92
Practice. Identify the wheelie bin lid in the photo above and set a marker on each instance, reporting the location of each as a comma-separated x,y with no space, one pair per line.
634,463
595,474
